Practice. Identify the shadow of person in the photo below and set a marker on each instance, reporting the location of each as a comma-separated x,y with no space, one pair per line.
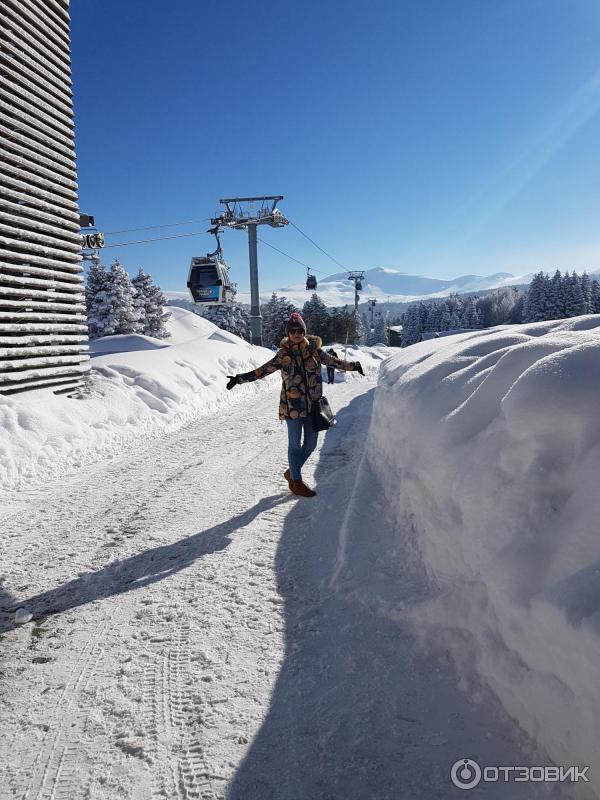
358,711
134,572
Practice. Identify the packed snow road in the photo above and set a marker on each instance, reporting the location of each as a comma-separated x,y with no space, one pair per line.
198,632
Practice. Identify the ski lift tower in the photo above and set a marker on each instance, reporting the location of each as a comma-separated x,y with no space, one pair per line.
358,277
240,217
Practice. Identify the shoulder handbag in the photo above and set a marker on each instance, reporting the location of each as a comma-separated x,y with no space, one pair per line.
322,415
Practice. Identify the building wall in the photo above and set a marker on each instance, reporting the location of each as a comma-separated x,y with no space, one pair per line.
43,330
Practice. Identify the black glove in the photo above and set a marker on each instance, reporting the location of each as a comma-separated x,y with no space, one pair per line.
358,368
233,381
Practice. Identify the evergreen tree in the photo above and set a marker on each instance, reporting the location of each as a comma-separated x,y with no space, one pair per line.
516,312
454,321
275,315
434,317
126,318
537,301
97,301
574,300
380,331
110,302
150,301
556,300
316,316
411,326
231,317
586,291
595,297
341,326
469,318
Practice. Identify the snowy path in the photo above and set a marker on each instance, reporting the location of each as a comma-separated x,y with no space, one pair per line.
197,631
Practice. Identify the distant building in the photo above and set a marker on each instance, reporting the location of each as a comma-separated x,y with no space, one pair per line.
395,335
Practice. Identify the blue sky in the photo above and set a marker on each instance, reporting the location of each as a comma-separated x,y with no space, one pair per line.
438,137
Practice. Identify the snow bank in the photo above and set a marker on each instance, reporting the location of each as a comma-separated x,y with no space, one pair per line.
140,388
488,446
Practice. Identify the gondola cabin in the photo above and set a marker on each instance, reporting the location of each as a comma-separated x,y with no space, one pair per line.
208,281
311,282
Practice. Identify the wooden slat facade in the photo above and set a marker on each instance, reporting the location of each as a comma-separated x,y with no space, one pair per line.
43,329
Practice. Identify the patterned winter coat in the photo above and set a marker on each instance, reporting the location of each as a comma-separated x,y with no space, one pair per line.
300,367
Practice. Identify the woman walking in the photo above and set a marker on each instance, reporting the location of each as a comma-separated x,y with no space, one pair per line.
299,358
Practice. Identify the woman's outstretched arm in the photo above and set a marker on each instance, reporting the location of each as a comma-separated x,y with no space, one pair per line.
255,374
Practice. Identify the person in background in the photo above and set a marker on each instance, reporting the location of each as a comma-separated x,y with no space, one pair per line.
331,370
299,358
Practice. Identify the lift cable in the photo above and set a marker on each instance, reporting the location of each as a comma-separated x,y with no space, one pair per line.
287,255
156,239
153,227
318,246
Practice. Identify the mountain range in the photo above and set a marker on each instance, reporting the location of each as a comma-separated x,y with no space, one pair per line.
386,286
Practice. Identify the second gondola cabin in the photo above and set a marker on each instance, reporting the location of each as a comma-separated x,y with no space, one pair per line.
208,281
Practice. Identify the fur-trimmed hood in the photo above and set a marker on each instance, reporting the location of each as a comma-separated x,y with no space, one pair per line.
312,342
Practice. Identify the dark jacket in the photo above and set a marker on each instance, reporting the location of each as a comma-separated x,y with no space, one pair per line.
302,383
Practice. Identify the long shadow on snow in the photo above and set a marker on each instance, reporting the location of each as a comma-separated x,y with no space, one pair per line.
356,713
134,572
337,727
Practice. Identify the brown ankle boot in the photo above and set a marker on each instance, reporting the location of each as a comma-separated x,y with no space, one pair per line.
288,476
301,489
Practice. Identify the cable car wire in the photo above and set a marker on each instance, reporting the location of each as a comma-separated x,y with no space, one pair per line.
153,227
156,239
287,255
319,247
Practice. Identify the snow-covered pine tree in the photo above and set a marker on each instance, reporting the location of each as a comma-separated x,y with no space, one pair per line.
380,332
316,316
126,318
358,329
149,300
445,318
275,314
469,318
434,317
370,331
231,317
586,291
516,312
537,301
574,300
411,326
556,300
97,301
454,321
595,297
341,323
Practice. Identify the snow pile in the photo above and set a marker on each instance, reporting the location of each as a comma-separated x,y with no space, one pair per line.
140,388
488,446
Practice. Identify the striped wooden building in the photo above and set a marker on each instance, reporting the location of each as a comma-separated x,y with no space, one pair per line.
43,330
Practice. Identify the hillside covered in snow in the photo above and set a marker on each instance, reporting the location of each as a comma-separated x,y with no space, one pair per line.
139,388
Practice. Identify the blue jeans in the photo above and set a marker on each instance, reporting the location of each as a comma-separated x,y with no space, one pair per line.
298,453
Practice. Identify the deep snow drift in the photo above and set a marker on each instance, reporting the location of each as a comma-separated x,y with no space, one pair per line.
139,388
488,445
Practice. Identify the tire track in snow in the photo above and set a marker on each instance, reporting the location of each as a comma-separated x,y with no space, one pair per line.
210,482
54,775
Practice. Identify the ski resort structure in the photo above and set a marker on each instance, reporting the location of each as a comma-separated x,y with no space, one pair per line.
43,329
